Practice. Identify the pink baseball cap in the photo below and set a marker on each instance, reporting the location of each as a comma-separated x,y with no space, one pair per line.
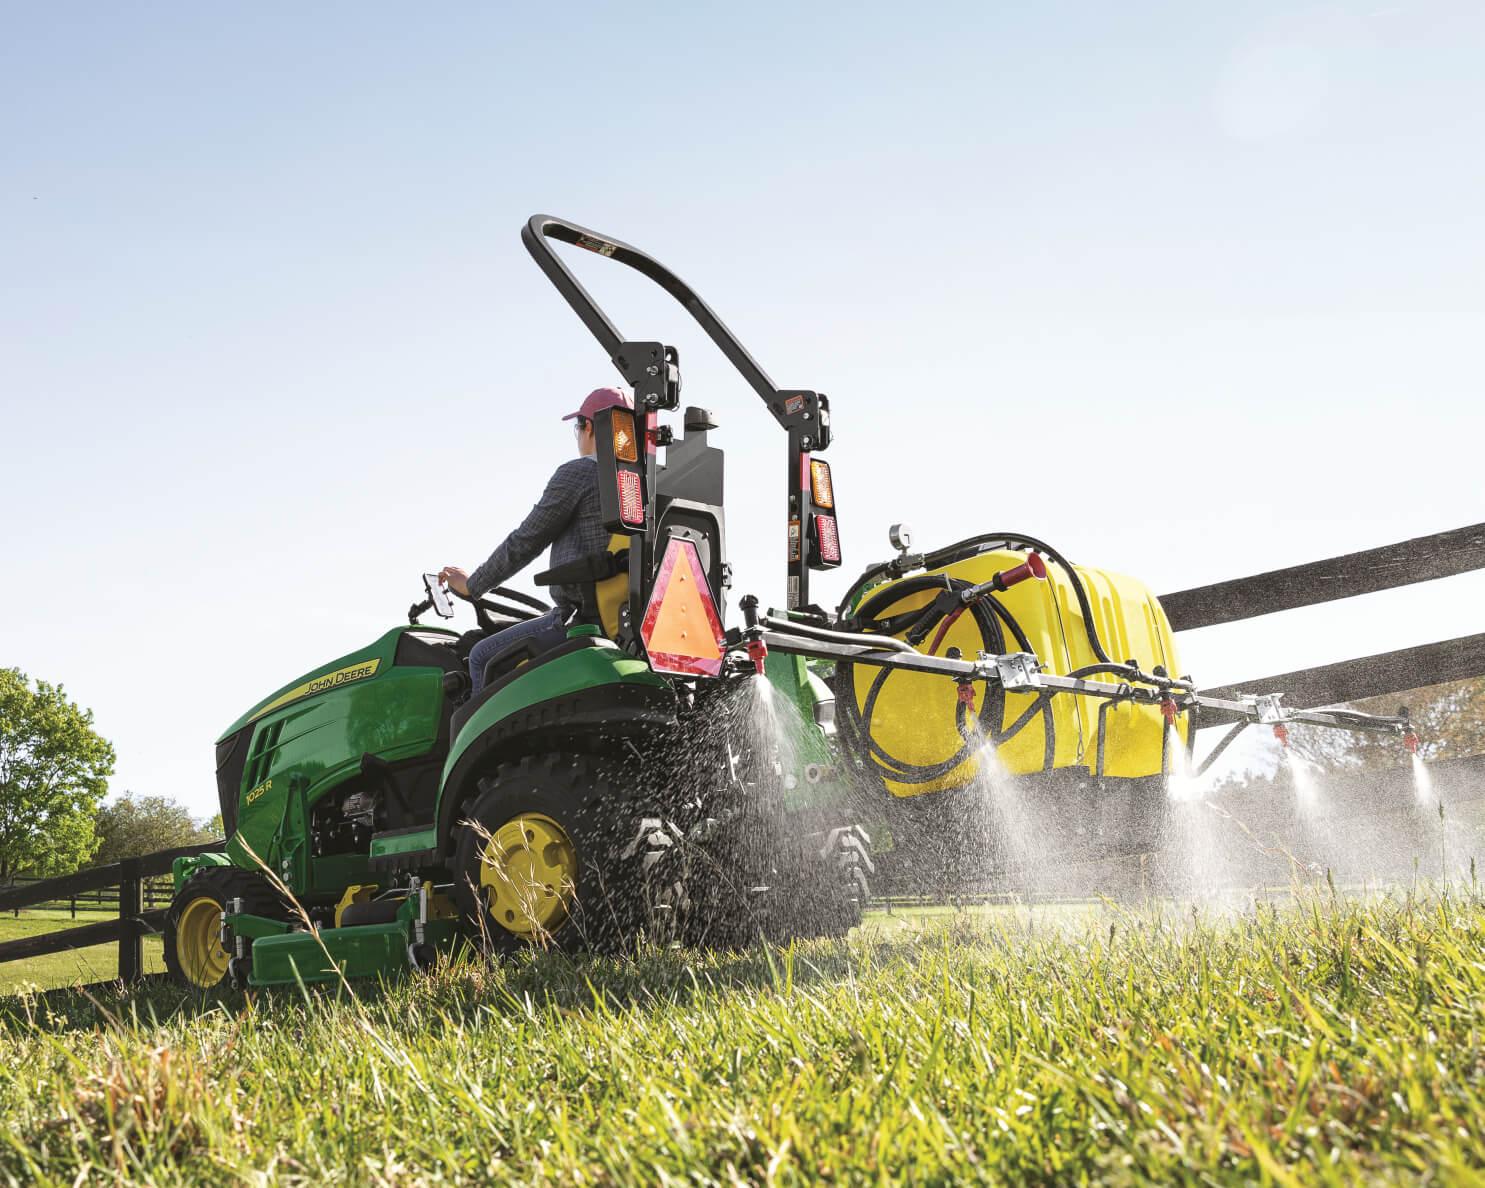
600,399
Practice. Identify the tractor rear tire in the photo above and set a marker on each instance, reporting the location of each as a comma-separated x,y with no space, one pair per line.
538,858
194,955
841,887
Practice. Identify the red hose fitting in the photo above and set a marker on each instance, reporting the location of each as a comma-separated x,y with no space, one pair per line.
1032,567
757,653
1281,732
1168,710
1410,740
967,695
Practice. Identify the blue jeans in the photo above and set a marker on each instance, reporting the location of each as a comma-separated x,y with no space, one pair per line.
546,631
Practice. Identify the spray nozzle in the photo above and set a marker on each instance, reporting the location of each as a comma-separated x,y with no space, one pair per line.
1281,732
1409,735
1168,710
966,695
753,631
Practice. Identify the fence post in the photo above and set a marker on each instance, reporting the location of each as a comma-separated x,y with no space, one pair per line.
131,907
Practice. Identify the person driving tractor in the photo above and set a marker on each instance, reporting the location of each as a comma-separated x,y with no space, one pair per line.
566,517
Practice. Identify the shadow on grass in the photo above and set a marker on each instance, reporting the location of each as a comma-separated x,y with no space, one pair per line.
462,988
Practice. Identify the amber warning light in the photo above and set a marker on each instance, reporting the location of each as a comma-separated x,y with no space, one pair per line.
626,447
823,492
682,631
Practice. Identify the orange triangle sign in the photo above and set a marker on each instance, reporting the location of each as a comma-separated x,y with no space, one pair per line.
681,629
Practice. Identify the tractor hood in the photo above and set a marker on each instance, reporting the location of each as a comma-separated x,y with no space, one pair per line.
354,666
392,685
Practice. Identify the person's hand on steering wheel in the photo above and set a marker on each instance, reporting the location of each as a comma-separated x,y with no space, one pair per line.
456,580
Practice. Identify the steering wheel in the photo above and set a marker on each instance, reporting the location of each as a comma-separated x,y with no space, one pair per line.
485,606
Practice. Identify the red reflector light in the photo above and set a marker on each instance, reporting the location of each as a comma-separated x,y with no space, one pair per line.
827,539
631,504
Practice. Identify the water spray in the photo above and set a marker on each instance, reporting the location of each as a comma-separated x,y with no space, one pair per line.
1422,781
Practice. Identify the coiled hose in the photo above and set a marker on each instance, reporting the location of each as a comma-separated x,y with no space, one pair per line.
993,619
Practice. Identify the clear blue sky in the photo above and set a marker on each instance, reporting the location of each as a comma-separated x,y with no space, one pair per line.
270,347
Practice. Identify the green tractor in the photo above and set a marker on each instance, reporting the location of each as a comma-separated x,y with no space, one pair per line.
378,814
661,775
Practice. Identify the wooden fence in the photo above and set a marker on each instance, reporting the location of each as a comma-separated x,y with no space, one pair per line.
156,892
121,885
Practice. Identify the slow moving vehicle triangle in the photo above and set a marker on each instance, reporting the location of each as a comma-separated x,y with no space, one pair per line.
682,631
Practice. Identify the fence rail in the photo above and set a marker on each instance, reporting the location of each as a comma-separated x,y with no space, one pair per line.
128,928
1422,559
157,891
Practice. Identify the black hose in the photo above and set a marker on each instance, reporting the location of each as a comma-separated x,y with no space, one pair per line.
974,545
988,614
993,711
1077,584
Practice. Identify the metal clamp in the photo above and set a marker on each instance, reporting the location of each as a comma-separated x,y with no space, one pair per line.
1266,706
1014,670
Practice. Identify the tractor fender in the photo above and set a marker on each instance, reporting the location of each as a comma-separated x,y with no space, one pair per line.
594,719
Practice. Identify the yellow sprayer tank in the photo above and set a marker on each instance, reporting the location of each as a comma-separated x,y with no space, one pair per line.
913,718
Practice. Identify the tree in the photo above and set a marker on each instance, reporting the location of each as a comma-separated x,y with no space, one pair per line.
54,769
135,825
1449,719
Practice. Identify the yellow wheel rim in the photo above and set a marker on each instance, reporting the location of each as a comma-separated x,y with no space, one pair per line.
198,942
528,874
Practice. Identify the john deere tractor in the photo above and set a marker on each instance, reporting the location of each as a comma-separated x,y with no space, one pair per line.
663,774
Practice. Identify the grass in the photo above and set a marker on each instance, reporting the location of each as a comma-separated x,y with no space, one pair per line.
1330,1041
81,966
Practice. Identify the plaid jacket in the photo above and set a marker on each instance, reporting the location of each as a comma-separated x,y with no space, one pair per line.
566,518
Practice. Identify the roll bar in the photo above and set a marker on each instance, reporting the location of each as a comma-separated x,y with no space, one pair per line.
652,370
540,228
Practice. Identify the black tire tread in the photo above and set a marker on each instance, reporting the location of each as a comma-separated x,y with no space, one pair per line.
224,884
585,800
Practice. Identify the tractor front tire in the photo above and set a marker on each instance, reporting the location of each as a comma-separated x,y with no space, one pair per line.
538,860
194,955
